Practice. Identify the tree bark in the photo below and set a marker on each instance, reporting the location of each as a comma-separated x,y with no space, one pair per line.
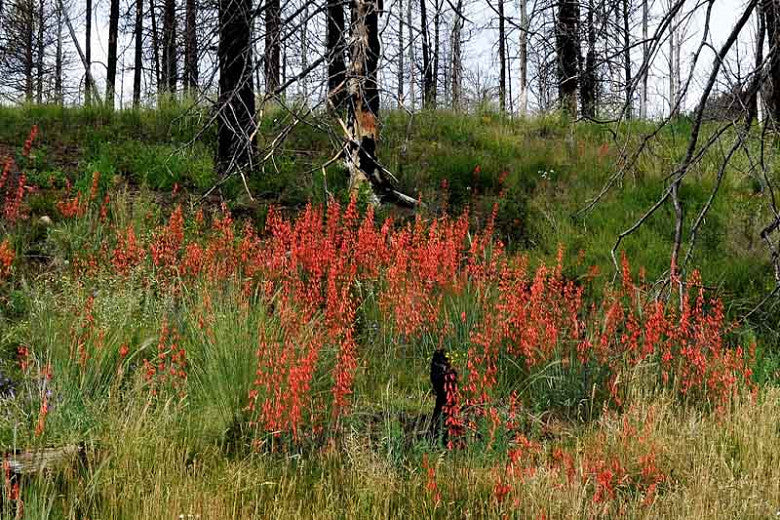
113,30
169,57
236,124
501,58
41,23
589,87
363,123
400,75
158,80
568,50
272,45
58,59
428,85
139,52
627,58
457,59
336,48
88,54
523,57
645,58
191,47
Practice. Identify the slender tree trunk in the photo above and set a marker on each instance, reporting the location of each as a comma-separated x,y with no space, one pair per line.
412,64
754,102
58,58
158,79
457,59
191,48
645,58
236,125
336,48
436,50
523,57
41,22
589,80
113,30
272,45
139,52
501,58
567,50
169,57
88,53
400,75
428,85
627,58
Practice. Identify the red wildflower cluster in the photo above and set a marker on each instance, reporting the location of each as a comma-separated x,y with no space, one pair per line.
169,368
29,141
7,256
314,271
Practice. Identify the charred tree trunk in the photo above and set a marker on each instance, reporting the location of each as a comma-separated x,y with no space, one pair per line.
41,21
58,58
428,85
139,52
436,48
501,57
645,58
88,53
589,80
567,51
336,48
457,59
771,12
363,122
156,47
627,58
191,47
113,30
272,45
753,111
169,57
400,75
236,127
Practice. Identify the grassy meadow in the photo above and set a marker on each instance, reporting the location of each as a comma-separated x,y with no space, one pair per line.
216,355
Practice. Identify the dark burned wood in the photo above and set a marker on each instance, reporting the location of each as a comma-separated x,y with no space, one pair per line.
44,460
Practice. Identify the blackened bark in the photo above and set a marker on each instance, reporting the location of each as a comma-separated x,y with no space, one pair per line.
627,58
236,127
113,30
589,80
273,14
191,47
139,52
41,22
336,48
501,57
771,12
158,80
568,55
429,93
88,53
169,57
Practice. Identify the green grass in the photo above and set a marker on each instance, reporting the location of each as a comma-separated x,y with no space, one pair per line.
167,456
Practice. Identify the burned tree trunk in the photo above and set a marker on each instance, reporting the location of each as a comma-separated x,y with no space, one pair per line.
444,379
771,14
191,47
337,68
501,57
589,80
568,53
89,85
139,52
429,94
363,124
272,45
236,127
169,57
113,30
